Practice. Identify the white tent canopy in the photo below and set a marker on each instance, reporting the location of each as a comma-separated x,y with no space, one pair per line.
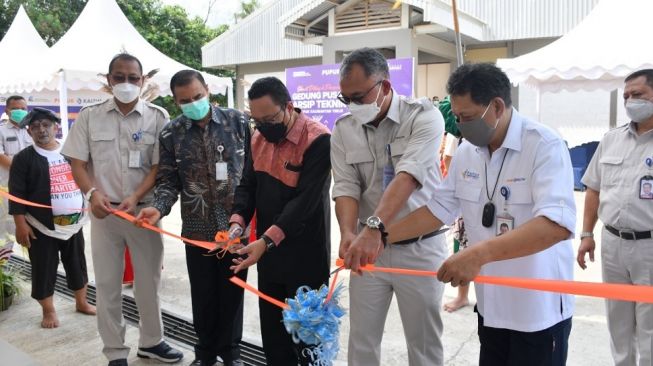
611,42
23,52
100,32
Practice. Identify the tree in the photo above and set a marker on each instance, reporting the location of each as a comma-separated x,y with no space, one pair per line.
247,8
166,27
52,18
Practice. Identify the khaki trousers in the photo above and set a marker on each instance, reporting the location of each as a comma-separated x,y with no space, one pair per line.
630,324
109,236
419,300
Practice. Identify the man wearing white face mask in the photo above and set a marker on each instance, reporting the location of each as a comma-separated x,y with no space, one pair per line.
114,152
384,158
509,173
618,192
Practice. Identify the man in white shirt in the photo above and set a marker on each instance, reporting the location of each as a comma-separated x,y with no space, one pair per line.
510,170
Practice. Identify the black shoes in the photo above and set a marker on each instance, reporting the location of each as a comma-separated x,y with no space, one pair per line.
162,352
118,362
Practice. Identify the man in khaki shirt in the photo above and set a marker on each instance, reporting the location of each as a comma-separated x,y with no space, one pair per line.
617,179
13,139
384,159
114,148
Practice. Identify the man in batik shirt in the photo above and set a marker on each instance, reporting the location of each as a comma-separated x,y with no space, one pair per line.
202,154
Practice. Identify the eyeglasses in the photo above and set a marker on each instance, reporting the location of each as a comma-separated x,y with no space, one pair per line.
356,100
271,120
41,124
133,79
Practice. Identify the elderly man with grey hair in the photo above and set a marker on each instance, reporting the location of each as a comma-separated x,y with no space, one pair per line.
384,159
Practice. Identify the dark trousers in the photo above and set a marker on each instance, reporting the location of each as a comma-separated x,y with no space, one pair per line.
44,254
280,350
217,305
505,347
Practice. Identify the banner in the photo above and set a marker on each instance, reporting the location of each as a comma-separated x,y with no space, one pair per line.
50,99
314,89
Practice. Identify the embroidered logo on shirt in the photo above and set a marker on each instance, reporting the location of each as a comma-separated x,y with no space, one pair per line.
515,180
470,175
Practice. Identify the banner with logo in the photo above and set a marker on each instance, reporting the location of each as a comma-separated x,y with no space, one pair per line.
50,99
315,89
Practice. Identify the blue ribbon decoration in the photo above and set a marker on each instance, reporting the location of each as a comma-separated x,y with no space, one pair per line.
315,322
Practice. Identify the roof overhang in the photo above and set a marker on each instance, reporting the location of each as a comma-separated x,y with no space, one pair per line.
300,22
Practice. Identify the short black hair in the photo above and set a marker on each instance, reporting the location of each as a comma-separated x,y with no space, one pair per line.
270,86
185,77
125,57
12,98
371,60
483,82
647,73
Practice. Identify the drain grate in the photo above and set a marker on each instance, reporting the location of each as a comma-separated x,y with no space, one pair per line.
175,327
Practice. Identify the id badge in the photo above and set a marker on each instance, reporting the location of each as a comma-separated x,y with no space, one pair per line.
645,188
134,159
505,223
221,172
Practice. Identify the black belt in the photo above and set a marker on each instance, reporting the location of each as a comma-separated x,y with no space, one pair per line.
629,234
426,236
118,203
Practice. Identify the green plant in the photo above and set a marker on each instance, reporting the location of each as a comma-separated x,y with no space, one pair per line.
9,287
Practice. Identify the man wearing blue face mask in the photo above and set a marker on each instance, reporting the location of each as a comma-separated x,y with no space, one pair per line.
618,181
13,139
114,153
385,164
508,173
202,155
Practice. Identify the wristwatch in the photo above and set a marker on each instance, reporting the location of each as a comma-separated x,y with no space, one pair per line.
269,243
375,223
586,234
89,194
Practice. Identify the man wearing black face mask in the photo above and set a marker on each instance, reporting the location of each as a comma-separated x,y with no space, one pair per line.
513,171
285,180
618,181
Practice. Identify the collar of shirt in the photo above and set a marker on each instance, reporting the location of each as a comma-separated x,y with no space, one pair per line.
632,129
112,106
295,132
10,124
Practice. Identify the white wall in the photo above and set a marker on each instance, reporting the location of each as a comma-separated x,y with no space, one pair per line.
578,116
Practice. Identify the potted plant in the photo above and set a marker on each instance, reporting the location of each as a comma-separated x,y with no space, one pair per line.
8,286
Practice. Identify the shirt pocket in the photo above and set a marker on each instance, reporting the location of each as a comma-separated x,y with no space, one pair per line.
520,194
12,146
363,162
469,198
146,147
397,150
102,145
611,167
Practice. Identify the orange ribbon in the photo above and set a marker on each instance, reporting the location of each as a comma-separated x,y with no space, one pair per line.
124,215
258,293
612,291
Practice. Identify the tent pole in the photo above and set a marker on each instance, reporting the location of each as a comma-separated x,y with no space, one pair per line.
459,43
230,97
613,109
63,103
538,102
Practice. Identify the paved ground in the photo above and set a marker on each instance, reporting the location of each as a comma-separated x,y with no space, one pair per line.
76,341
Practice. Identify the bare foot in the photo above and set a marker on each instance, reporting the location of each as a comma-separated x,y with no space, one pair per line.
50,320
86,308
456,304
